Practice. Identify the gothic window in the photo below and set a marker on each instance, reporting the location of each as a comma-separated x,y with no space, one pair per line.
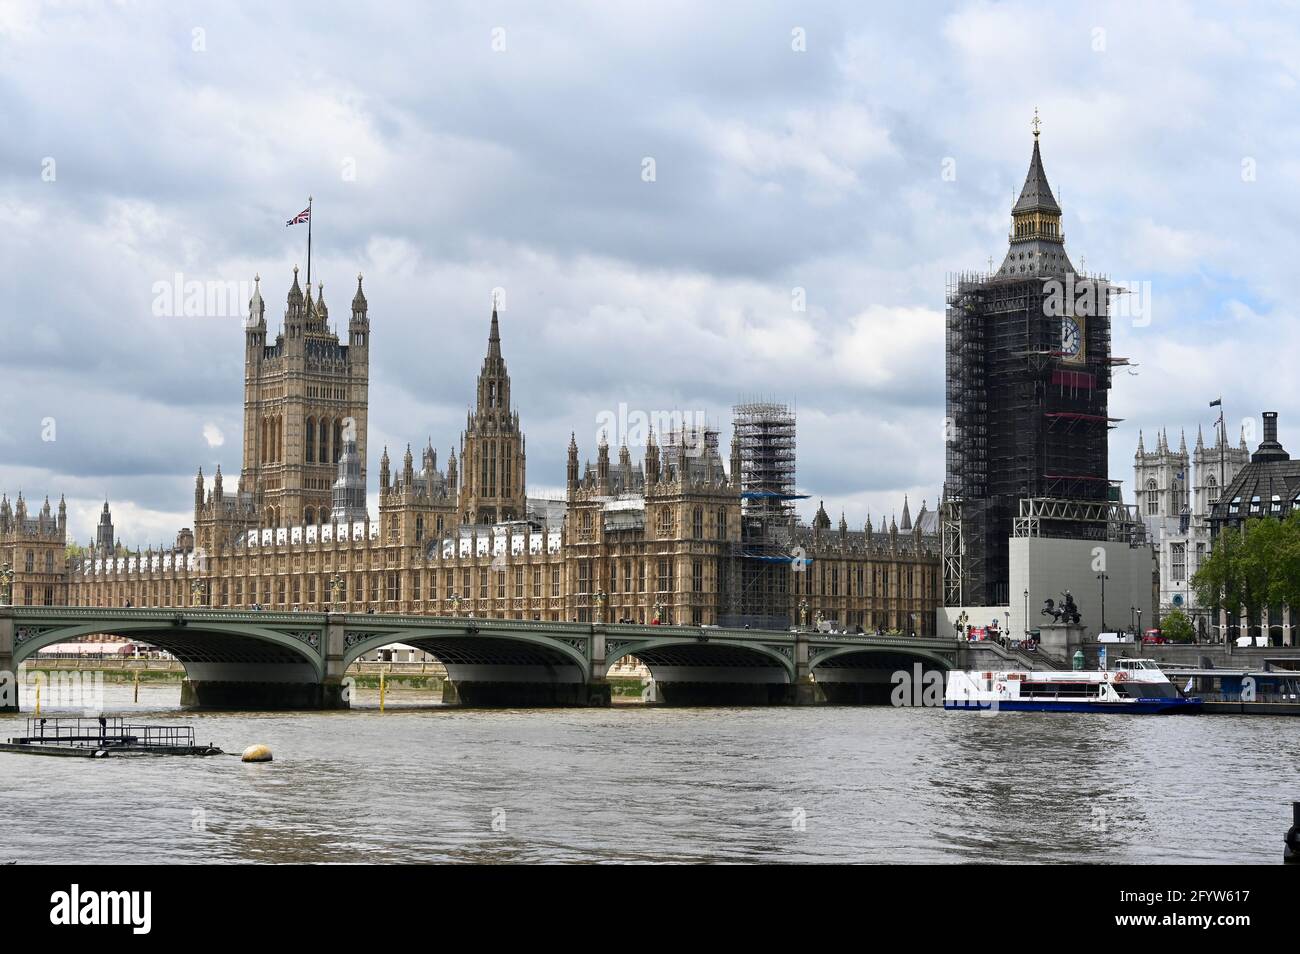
308,517
697,523
419,529
697,576
49,561
584,576
665,522
519,582
722,524
1178,561
555,581
311,439
30,563
1213,491
338,442
665,576
1153,498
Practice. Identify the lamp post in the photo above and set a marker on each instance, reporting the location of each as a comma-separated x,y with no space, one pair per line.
335,584
1103,578
6,584
1026,614
659,613
1131,611
601,598
1138,635
196,588
455,604
803,613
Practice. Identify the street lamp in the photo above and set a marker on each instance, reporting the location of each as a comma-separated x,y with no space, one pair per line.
335,584
1026,614
601,598
1103,578
803,613
197,589
455,604
659,612
1138,634
6,584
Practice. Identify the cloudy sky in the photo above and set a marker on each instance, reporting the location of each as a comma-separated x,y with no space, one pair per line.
849,156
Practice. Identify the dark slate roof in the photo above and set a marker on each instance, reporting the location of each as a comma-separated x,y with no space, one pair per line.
1270,474
1036,194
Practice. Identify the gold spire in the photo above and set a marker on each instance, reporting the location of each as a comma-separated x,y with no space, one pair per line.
1036,123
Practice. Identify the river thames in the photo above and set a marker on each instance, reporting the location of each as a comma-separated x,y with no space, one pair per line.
420,783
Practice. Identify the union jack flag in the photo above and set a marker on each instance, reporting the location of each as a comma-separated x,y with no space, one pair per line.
303,216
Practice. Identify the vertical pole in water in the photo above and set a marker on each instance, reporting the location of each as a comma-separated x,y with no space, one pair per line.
38,695
137,687
381,690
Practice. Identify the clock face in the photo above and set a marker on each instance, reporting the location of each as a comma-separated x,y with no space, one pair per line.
1071,338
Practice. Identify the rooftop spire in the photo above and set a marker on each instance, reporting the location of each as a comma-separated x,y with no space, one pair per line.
1037,241
494,336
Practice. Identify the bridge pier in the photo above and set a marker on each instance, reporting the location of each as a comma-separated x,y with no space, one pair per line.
258,686
523,686
8,671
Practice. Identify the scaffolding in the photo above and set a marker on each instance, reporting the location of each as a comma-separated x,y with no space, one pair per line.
1025,419
760,563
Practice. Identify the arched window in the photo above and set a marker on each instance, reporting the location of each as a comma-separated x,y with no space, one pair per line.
1153,498
30,563
308,517
49,561
338,442
722,524
1212,489
697,523
311,439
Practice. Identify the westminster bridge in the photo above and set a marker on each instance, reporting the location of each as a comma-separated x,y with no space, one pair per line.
259,659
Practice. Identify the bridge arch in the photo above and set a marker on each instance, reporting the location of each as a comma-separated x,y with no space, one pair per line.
276,661
473,642
865,675
193,640
693,668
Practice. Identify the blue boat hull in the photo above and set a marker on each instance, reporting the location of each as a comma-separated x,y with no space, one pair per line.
1135,706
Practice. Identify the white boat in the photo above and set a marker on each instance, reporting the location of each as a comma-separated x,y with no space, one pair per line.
1134,685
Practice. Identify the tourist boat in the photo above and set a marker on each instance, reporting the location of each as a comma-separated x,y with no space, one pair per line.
1134,685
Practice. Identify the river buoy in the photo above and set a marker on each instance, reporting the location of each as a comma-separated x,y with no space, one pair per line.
256,753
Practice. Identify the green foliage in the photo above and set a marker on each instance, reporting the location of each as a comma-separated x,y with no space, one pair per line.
1176,626
1251,568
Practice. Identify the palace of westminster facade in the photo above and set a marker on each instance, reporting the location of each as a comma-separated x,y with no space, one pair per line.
657,540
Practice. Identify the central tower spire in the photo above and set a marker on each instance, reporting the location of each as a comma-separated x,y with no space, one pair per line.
1037,241
492,454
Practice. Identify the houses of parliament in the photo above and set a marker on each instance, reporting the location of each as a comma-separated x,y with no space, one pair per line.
666,539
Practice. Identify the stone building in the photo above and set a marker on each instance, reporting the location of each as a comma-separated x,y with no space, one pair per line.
1265,488
644,541
35,550
1174,492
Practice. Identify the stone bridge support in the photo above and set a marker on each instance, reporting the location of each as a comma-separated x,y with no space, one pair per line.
8,671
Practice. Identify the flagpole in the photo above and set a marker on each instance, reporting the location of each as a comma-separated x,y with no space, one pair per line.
309,241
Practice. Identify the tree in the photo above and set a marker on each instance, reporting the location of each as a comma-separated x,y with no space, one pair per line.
1252,567
1177,627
